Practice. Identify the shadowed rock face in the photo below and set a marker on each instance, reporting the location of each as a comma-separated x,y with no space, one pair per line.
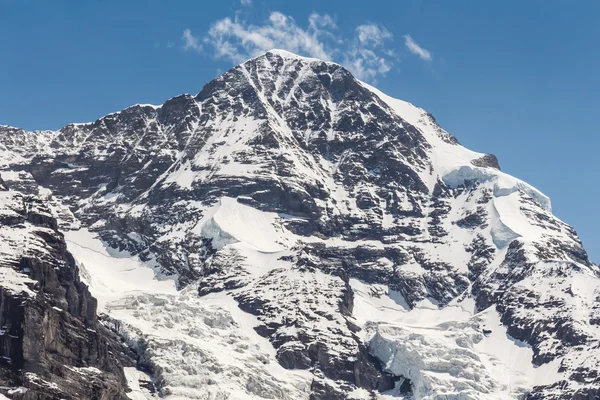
52,344
369,188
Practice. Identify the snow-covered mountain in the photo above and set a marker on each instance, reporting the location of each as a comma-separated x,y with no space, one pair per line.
293,233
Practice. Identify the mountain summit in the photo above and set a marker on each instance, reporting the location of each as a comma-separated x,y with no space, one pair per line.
293,233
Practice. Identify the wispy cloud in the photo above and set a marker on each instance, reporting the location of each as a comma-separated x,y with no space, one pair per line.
366,65
367,57
236,40
318,21
367,53
414,48
372,34
246,2
190,42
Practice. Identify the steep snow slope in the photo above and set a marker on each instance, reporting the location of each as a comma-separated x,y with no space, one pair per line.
338,241
111,274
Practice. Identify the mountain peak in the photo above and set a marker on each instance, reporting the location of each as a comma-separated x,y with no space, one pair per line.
284,53
288,55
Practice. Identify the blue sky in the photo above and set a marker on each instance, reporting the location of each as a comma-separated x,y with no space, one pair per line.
519,79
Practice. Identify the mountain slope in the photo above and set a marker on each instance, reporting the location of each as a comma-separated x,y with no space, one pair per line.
377,255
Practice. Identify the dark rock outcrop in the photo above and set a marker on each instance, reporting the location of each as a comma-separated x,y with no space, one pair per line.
488,160
52,345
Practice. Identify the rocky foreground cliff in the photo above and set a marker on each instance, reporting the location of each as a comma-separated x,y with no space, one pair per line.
51,343
288,233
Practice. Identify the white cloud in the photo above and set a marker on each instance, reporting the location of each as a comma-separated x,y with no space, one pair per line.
246,2
190,42
237,40
317,21
414,48
367,57
372,34
366,65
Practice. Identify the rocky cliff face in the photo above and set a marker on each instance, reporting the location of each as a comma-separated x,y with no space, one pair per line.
377,256
51,343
